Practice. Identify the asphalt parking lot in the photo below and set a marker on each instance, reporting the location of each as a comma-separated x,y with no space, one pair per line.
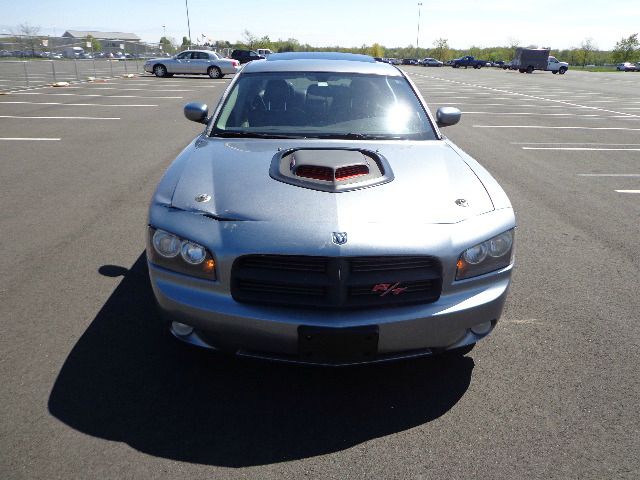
93,387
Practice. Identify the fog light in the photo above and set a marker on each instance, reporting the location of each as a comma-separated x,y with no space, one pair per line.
181,329
481,328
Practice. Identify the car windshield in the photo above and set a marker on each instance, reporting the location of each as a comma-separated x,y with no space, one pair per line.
323,105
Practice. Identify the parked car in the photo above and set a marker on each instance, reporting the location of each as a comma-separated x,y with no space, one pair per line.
468,61
410,61
499,64
192,62
263,52
298,225
245,56
626,67
431,62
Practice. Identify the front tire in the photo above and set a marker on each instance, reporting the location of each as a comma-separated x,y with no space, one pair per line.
529,69
160,71
214,72
562,70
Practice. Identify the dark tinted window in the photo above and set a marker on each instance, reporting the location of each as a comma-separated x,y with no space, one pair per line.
317,104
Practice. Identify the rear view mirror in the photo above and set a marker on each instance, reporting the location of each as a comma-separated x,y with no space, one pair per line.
446,116
196,112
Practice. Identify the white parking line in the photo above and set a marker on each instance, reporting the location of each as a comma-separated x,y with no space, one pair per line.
584,148
510,105
59,118
79,104
508,92
608,174
576,143
90,95
628,191
557,127
533,113
131,89
25,139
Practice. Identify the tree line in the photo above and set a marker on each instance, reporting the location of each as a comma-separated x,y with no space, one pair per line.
626,50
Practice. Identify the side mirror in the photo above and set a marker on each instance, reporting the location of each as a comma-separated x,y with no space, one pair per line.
196,112
446,116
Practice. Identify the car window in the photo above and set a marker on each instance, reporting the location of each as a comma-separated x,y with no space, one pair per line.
184,55
316,104
200,56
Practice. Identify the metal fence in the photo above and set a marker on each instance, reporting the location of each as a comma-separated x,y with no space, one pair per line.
17,75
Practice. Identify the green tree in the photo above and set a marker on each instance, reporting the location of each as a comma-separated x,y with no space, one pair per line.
167,45
585,52
185,43
289,45
626,49
441,49
376,50
96,46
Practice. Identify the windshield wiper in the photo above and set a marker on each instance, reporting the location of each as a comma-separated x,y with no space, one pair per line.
359,136
227,134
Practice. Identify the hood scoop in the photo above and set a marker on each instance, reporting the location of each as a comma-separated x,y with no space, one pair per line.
331,170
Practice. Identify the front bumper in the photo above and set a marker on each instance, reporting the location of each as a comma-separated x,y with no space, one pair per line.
274,332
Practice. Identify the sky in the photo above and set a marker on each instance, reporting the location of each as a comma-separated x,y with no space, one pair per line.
393,23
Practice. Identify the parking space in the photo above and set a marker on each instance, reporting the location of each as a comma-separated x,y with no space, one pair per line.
569,123
89,132
92,383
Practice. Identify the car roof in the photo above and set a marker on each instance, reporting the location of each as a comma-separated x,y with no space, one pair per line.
321,62
194,50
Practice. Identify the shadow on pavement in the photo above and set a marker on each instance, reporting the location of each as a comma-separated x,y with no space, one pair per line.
128,380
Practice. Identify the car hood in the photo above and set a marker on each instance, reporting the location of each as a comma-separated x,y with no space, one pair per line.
431,184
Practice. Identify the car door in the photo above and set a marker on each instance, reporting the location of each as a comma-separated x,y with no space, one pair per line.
199,63
181,62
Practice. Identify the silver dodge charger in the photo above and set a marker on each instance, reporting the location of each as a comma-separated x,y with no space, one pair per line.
321,217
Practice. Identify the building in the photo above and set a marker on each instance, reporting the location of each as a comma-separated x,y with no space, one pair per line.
109,41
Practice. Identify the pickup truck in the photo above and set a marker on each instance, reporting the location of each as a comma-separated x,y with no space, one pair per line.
468,61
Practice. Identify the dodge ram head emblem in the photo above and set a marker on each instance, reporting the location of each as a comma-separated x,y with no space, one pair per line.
339,238
385,289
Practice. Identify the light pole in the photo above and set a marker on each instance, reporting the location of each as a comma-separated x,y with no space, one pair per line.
418,35
186,4
164,31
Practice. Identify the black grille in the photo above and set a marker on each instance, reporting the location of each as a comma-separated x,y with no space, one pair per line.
336,282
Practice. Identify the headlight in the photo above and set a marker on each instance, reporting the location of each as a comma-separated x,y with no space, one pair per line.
193,253
488,256
166,244
179,255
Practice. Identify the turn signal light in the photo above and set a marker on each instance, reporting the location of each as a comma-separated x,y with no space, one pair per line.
209,265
